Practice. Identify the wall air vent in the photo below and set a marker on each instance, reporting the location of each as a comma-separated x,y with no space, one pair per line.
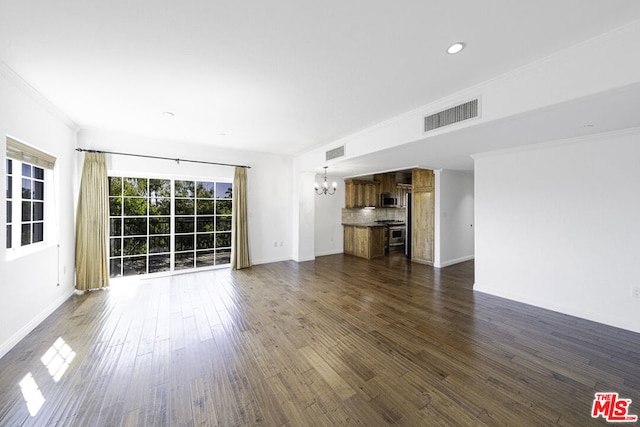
335,153
466,111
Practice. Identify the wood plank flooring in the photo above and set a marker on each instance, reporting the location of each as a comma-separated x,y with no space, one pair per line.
336,341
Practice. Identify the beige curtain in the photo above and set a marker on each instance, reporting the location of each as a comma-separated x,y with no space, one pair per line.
92,224
239,230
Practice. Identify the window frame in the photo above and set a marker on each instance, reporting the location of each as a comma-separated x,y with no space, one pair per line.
33,219
20,153
117,256
17,248
9,200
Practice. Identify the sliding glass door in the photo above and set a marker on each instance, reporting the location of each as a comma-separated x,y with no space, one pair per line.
161,225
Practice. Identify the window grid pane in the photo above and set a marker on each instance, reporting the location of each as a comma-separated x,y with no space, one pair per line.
9,198
26,170
32,206
224,208
9,231
163,225
139,225
128,226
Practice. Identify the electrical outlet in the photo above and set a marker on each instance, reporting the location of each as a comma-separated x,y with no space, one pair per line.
635,291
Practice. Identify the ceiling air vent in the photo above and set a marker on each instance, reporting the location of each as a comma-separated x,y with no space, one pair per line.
466,111
335,153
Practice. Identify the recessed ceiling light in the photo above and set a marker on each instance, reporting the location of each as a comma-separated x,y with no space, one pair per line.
455,48
168,114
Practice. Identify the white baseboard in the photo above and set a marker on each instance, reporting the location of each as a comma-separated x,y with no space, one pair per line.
24,331
614,321
454,261
331,252
269,260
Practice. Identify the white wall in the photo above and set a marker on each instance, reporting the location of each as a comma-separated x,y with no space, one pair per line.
303,216
454,217
29,289
328,215
558,226
269,188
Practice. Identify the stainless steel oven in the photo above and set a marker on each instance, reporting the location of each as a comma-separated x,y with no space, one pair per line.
397,235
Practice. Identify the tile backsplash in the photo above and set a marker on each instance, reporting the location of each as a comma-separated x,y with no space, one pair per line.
368,215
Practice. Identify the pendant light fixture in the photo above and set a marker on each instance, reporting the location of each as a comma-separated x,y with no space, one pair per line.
325,186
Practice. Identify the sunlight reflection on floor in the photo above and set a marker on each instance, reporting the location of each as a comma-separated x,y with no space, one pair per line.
31,393
125,286
58,358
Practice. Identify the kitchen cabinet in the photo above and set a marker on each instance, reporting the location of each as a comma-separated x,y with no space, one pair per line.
401,194
385,239
387,183
360,194
376,242
371,194
349,240
422,217
350,196
364,241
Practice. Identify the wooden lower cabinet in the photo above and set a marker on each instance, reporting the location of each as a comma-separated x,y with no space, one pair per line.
349,240
364,241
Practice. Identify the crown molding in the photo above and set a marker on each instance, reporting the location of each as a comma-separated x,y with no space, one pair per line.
21,84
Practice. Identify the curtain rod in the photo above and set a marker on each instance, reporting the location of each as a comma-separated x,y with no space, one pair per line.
162,158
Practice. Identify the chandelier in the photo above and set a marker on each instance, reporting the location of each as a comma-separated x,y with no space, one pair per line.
325,186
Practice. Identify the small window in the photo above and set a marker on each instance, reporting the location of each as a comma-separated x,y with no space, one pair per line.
25,204
9,188
27,169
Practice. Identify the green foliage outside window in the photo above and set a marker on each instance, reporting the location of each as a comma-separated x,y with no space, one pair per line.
145,216
135,187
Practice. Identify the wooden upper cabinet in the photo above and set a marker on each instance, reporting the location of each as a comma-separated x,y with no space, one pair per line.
350,194
371,193
422,180
387,182
401,193
360,194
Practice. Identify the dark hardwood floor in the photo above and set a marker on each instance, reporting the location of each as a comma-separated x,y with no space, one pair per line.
336,341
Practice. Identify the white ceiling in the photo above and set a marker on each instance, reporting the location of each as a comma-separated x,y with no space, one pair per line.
281,76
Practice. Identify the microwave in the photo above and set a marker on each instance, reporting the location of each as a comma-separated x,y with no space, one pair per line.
387,201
